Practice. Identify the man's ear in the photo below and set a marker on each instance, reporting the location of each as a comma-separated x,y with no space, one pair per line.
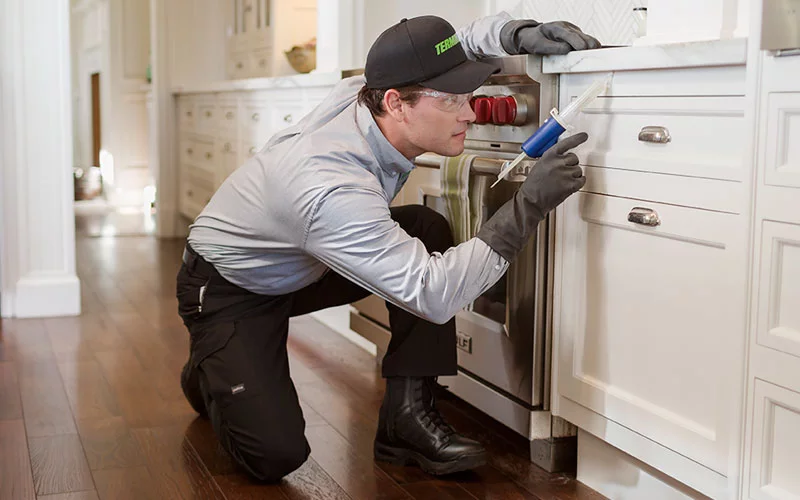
394,106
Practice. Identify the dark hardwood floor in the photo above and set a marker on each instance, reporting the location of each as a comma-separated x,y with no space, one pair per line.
91,407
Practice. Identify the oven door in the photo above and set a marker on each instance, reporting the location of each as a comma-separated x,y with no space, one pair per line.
502,334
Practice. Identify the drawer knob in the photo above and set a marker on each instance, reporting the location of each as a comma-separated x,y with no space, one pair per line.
229,115
189,151
208,156
252,150
288,118
227,147
644,216
658,135
208,114
255,117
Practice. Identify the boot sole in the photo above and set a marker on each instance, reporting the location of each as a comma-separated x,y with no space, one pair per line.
402,456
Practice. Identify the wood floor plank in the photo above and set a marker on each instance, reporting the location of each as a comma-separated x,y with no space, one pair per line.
109,444
59,465
311,481
15,465
26,341
518,469
342,413
130,483
240,487
78,338
10,403
77,495
89,394
44,401
174,465
437,490
356,473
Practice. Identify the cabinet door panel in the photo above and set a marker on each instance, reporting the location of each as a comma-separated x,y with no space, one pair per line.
779,290
648,319
776,432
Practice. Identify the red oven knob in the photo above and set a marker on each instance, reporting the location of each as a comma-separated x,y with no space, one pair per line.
483,109
504,111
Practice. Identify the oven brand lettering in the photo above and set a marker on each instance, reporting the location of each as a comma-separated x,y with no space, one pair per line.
446,44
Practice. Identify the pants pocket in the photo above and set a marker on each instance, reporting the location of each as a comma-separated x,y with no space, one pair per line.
227,363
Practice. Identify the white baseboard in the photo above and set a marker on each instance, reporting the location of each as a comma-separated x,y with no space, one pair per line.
47,296
617,475
338,319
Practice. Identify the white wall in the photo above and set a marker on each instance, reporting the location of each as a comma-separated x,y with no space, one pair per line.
196,39
38,232
610,21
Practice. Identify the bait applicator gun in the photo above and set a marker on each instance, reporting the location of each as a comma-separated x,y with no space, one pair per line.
547,135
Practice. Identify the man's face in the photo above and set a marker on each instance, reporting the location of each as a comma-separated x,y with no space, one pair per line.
438,122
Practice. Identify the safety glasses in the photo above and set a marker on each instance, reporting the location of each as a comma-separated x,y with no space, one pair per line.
452,103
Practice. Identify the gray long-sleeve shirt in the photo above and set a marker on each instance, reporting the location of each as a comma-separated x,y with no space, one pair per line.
317,197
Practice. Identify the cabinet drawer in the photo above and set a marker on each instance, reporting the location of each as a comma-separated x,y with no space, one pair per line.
227,124
776,439
196,190
700,136
186,114
256,121
198,153
646,317
206,118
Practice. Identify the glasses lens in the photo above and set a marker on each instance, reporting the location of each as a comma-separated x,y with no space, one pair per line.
448,102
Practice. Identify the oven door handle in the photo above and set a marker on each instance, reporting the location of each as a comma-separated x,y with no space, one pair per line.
490,167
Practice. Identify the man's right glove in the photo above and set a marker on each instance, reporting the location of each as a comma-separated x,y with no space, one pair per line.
526,36
554,178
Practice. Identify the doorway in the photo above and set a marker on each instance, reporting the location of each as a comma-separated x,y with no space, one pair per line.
96,126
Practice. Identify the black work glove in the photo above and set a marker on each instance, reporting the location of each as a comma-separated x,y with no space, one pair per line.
554,177
530,37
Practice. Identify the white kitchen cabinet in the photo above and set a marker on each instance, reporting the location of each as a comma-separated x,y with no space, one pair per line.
262,30
772,427
218,131
650,280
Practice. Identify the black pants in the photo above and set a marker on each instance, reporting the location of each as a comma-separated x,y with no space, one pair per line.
238,350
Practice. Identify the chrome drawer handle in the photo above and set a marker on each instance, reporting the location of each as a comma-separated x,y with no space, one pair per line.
658,135
644,216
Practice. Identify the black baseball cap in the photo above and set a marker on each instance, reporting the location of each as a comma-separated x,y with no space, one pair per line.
426,51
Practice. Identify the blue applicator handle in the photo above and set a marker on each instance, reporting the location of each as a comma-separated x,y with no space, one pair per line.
544,138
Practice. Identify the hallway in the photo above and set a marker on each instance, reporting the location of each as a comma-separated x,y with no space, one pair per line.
92,405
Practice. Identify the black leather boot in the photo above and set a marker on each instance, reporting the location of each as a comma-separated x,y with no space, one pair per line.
411,430
190,384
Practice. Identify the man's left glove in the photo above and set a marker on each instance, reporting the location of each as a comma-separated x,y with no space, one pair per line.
530,37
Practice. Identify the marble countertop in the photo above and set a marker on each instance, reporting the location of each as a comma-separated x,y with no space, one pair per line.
677,55
267,83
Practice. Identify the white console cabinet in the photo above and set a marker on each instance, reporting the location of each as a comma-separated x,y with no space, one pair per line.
220,130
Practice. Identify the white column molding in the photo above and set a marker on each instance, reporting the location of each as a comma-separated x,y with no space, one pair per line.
38,229
162,125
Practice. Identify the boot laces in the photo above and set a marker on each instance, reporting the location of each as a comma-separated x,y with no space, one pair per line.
432,419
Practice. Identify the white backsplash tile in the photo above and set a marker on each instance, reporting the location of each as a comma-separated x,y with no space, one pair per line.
610,21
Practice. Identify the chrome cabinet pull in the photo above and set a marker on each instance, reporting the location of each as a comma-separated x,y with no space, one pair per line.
644,216
658,135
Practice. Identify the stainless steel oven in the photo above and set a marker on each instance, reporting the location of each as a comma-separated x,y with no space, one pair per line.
504,336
